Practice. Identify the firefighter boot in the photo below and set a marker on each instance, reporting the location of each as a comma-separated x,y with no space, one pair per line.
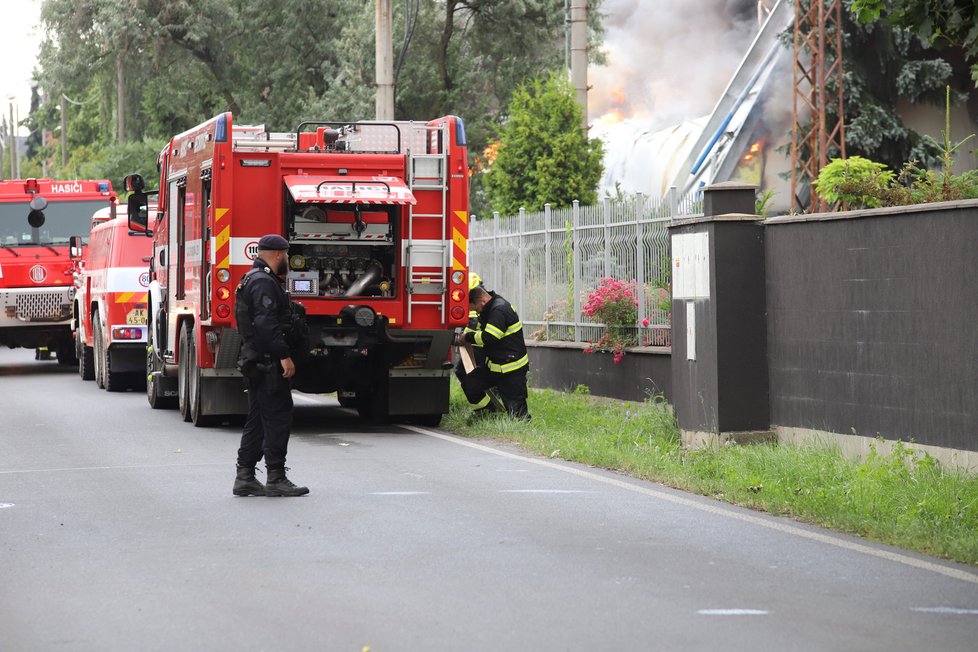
246,484
279,485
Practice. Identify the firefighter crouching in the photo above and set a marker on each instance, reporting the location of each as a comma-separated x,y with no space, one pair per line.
499,333
264,317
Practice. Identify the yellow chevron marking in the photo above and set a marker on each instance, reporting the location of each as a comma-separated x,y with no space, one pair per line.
124,297
225,263
219,213
223,237
462,215
459,240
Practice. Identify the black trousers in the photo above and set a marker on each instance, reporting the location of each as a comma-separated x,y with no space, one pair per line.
511,387
266,430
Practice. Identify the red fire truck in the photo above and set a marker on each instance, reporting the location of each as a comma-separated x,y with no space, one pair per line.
110,306
376,216
37,219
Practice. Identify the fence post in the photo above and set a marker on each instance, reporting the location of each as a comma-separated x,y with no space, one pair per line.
495,249
672,197
522,267
547,266
606,209
640,207
576,213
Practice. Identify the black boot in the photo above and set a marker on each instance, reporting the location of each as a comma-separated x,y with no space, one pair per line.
245,484
279,485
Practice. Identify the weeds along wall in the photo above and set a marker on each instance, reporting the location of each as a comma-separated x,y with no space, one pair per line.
873,323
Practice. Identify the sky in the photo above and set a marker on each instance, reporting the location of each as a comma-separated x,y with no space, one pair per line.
18,54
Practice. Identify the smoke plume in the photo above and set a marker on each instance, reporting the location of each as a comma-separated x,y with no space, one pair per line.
668,60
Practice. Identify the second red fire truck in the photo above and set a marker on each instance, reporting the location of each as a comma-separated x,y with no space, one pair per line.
110,307
376,214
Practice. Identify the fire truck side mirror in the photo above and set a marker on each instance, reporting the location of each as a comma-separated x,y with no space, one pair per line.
75,247
134,182
138,213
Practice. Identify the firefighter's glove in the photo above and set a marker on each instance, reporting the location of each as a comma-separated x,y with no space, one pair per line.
459,339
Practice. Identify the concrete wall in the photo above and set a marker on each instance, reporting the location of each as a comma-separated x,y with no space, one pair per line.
565,365
873,323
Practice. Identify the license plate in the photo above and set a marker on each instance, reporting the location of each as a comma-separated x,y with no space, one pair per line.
136,317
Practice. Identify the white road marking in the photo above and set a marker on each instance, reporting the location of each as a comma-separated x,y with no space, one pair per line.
5,505
732,612
945,610
400,493
718,509
544,491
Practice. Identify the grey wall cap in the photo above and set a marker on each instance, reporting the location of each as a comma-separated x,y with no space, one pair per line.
873,212
706,219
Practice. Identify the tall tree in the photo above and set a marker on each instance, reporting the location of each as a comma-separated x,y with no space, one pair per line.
543,155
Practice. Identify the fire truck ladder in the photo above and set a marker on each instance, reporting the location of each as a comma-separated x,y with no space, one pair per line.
428,172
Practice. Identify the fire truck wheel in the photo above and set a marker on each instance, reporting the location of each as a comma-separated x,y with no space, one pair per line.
194,389
429,420
183,373
157,402
65,352
115,381
86,363
98,352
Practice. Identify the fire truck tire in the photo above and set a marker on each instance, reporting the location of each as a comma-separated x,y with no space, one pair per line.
98,352
157,402
194,389
183,373
86,363
428,420
114,381
65,352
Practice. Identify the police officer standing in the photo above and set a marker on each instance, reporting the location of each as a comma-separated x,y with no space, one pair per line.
500,334
263,314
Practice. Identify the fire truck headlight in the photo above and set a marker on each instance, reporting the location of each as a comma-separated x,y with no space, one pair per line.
223,275
363,316
223,293
457,277
223,311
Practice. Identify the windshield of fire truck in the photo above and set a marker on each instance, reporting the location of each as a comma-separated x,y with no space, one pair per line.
62,219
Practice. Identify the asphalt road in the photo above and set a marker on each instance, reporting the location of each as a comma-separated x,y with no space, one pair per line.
118,531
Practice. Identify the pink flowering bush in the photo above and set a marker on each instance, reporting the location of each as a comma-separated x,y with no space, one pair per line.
614,303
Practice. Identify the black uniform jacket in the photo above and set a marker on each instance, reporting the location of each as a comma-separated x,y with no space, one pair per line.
500,334
263,315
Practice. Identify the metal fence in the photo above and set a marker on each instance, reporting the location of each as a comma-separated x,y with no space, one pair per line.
547,263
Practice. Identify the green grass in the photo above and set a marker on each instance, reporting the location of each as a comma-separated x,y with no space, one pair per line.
904,498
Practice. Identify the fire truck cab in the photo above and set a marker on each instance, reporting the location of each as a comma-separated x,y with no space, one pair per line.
37,219
376,214
110,307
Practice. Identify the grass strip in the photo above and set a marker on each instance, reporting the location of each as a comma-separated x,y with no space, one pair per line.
904,498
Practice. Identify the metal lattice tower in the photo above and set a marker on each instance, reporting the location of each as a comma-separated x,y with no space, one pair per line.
817,117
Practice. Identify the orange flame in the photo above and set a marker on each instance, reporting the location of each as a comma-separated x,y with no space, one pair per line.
755,148
618,95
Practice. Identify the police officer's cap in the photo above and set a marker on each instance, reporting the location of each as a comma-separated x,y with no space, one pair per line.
273,242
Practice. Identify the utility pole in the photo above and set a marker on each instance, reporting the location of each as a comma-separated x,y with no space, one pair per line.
385,60
13,140
64,131
578,58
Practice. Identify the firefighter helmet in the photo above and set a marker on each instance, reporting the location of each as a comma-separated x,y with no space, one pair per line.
474,281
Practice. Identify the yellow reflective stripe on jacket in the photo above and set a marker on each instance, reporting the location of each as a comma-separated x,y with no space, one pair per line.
478,338
473,331
515,328
509,366
481,404
494,331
